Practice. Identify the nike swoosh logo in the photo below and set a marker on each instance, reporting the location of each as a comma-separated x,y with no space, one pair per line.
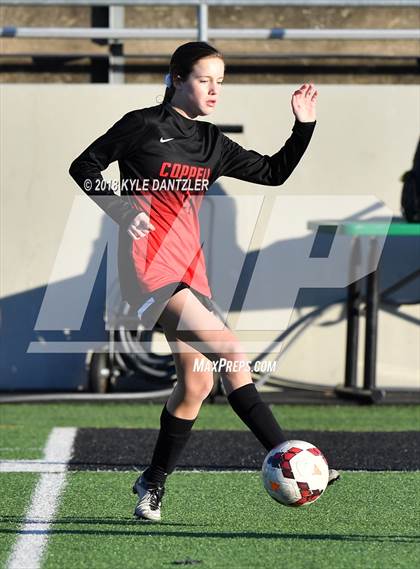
165,139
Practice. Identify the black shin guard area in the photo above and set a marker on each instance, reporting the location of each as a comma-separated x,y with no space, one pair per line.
131,449
173,436
257,415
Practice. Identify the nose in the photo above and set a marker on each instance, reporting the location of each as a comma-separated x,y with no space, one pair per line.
214,87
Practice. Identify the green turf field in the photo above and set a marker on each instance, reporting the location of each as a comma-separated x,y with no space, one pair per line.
24,428
213,519
227,520
16,490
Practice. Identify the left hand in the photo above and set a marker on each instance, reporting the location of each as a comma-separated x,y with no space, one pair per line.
304,102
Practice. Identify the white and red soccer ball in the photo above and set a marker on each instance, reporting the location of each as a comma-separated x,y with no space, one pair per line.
295,473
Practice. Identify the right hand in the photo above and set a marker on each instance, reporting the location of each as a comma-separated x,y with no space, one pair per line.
304,103
140,226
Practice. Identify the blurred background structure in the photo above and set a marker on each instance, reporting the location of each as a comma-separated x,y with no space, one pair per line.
275,41
69,70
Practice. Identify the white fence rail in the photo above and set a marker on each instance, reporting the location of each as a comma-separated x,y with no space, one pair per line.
214,33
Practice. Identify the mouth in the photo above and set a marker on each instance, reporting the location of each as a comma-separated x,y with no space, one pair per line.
211,103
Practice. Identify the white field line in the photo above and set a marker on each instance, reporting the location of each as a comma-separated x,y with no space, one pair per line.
32,538
32,466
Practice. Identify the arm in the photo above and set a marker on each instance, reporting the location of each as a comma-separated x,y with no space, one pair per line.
115,144
274,170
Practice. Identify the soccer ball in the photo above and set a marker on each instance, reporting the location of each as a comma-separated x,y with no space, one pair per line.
295,473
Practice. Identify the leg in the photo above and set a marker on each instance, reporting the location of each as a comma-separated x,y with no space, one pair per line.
177,418
180,411
186,319
192,387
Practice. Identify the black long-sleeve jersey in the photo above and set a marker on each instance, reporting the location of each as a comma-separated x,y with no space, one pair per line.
167,162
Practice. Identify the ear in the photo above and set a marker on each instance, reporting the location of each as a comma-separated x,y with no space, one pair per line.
177,80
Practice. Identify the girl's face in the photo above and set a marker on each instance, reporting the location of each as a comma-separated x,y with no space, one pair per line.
200,93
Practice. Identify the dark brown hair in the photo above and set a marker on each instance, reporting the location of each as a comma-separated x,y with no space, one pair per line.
183,59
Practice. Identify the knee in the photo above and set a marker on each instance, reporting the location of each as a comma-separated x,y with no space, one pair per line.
233,362
230,350
198,387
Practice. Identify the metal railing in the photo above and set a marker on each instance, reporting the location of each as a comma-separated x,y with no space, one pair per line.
116,33
213,33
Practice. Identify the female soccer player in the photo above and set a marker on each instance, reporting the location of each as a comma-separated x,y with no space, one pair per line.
167,161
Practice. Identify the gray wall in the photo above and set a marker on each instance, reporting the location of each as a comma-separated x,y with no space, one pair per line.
52,234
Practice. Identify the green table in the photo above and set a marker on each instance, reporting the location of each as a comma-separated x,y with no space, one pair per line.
372,230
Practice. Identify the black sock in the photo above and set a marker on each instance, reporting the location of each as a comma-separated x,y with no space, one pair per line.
173,436
248,405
